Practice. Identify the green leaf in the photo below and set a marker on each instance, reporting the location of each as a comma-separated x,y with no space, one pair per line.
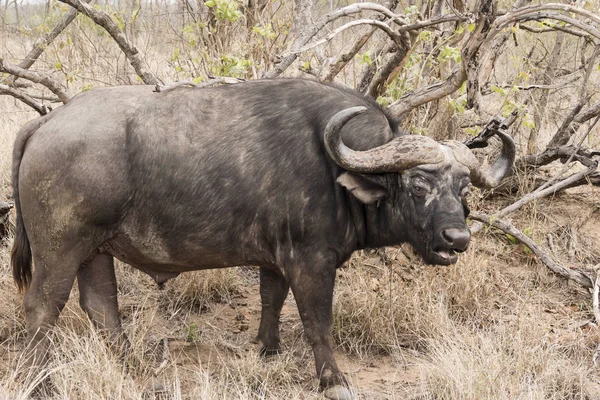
210,3
528,122
471,27
58,65
498,89
135,13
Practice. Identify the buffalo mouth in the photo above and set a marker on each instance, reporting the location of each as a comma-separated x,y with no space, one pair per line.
443,256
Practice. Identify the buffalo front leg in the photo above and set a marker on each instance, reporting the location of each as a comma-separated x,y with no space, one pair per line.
313,291
98,298
273,291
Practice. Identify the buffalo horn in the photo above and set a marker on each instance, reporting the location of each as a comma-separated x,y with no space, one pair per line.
397,155
491,177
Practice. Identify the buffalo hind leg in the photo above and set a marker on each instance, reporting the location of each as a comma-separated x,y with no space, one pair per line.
98,298
45,298
313,291
274,289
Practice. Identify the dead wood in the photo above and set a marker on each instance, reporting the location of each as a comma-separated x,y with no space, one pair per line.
130,51
575,275
36,77
551,190
549,155
25,98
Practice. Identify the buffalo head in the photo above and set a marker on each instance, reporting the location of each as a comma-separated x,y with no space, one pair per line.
415,187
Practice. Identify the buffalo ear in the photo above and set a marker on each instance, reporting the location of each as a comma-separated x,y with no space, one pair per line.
366,188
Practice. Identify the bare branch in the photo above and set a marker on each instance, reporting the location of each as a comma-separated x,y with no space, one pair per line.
540,194
587,114
434,21
553,29
43,41
343,60
568,128
529,11
395,62
562,85
555,153
459,74
7,90
211,82
381,25
36,77
575,275
303,39
336,67
131,52
429,93
590,162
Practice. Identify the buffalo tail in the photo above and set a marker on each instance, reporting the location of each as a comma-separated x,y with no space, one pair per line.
21,250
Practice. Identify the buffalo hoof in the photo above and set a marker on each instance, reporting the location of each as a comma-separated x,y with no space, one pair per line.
267,351
338,392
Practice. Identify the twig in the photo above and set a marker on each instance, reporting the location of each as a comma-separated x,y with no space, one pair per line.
43,41
25,98
343,60
534,86
573,274
211,82
55,87
131,52
538,195
572,244
553,29
565,131
551,244
381,25
434,21
563,170
165,358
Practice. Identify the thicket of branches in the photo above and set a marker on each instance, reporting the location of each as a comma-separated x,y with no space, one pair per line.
447,69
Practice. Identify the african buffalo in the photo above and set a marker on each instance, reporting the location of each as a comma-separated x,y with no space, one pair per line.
290,175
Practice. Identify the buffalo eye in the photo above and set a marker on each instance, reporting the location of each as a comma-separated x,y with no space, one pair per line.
420,189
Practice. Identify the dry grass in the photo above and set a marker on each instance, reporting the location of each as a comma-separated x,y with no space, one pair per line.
494,326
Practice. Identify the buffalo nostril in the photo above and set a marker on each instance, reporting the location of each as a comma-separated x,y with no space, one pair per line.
458,239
